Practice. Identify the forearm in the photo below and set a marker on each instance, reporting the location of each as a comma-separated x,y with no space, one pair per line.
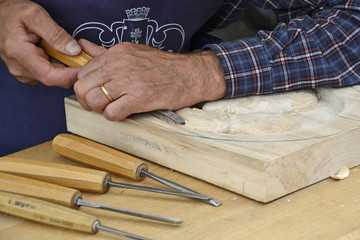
309,52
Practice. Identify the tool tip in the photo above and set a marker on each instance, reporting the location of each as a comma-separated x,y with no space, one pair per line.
214,202
177,221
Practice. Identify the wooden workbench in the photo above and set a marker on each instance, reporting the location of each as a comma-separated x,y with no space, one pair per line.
327,210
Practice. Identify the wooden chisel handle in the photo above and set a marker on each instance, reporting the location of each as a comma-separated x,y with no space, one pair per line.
37,189
71,61
45,212
80,178
98,156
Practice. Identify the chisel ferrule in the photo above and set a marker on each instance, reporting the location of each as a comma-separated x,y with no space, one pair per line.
139,171
107,183
143,171
95,228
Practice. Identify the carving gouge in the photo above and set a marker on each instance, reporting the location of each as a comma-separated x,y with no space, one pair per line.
102,157
67,197
55,215
80,178
81,59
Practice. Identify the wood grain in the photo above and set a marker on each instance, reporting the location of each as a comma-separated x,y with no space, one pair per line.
85,179
98,156
327,210
46,213
38,189
71,61
263,167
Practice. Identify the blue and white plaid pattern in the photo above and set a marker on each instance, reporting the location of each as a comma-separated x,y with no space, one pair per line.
316,44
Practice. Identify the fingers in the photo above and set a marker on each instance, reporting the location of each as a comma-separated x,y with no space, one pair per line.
27,22
28,80
45,27
124,103
92,97
112,110
118,109
50,74
35,64
91,48
99,98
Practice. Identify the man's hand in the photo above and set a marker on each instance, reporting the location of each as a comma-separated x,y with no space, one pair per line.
22,24
141,78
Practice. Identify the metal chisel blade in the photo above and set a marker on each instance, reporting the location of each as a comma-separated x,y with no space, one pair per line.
168,114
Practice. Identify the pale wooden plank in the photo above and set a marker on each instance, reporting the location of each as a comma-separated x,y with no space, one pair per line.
263,166
327,210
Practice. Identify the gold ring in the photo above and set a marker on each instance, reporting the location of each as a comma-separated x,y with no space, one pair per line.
107,94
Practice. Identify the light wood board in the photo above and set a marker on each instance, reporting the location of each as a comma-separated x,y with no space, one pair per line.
262,167
328,210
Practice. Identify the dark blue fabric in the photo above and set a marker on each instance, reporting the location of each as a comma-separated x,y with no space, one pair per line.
112,18
30,115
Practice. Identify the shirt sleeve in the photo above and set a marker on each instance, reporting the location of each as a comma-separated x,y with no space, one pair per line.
312,51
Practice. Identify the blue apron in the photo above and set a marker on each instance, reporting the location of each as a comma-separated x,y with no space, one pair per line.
33,114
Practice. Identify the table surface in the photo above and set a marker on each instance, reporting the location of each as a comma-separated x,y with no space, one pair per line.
327,210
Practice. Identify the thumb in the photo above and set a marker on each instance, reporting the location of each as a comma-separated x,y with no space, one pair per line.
45,27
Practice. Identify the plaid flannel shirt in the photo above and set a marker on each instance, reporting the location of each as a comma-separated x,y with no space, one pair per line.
316,44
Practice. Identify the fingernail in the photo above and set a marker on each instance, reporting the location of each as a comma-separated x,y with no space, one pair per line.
73,48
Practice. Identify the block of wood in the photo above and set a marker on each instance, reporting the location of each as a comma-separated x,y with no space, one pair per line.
262,166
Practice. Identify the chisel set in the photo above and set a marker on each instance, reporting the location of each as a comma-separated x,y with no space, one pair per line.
52,191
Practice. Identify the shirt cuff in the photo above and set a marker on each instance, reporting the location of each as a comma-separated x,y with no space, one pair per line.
246,67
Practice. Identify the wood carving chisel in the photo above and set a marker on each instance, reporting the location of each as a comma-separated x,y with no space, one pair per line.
67,197
80,178
81,59
52,214
105,158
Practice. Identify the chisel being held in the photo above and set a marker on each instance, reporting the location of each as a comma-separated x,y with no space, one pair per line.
105,158
67,197
81,59
55,215
80,178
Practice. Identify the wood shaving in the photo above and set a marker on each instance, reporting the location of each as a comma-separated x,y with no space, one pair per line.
343,173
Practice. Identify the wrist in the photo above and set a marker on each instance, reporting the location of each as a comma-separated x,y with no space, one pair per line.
213,76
